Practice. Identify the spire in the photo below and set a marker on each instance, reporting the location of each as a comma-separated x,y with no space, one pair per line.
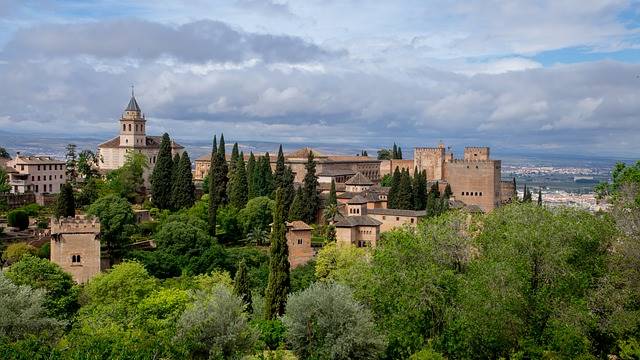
133,104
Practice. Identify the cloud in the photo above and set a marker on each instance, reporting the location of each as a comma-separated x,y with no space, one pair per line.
194,42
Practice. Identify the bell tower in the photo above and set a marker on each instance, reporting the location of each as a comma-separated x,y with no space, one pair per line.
132,125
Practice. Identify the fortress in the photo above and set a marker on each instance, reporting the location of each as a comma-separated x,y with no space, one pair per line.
75,246
475,179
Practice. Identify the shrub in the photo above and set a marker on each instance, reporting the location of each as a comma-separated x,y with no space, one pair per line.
15,252
271,333
18,219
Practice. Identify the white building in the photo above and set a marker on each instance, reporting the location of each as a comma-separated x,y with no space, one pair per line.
37,174
132,138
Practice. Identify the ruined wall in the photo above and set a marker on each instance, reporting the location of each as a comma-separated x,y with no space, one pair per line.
475,182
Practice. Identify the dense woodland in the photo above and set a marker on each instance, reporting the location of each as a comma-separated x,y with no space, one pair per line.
523,282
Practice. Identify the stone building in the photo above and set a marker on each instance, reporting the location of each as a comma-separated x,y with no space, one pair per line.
75,246
340,166
355,227
387,167
393,218
36,174
299,243
133,137
475,179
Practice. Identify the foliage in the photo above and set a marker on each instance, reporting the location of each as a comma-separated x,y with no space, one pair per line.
4,154
162,176
61,299
297,209
128,181
311,199
4,181
14,252
87,162
241,286
279,268
271,333
183,188
18,219
326,322
89,192
386,180
335,262
257,214
115,216
621,174
215,327
252,169
217,183
65,202
238,184
22,312
72,163
230,229
303,276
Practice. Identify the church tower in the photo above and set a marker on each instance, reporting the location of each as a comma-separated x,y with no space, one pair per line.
132,125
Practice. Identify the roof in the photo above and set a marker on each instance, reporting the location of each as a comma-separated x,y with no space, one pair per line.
304,153
398,212
133,105
21,159
357,200
153,142
298,225
353,221
359,179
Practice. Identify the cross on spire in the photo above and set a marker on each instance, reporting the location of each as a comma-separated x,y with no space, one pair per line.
131,90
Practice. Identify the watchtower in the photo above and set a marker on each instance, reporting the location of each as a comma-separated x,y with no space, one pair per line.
75,246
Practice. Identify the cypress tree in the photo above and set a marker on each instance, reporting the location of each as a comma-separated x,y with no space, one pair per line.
364,153
251,176
66,203
233,161
399,153
447,191
279,174
183,188
238,185
265,177
435,189
393,191
527,195
539,197
394,154
289,191
162,176
213,190
310,191
223,174
431,204
297,209
333,198
241,287
404,196
515,189
279,269
419,190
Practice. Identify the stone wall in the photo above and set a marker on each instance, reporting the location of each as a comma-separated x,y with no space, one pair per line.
75,246
475,182
389,166
476,153
507,192
390,222
300,250
431,160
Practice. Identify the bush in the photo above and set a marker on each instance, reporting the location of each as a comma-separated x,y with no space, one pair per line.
326,322
15,252
32,209
18,219
271,333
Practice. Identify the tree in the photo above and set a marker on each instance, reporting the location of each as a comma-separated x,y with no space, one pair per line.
65,202
233,160
4,154
115,216
241,287
61,297
18,219
23,314
87,162
257,214
526,197
289,191
419,190
252,175
183,187
174,172
297,209
539,197
399,153
263,177
333,198
394,153
310,191
218,182
128,180
4,181
279,268
447,191
515,190
392,198
238,185
162,176
215,327
14,252
279,174
384,154
326,322
435,189
71,158
404,196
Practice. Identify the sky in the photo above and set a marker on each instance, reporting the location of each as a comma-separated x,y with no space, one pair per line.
557,77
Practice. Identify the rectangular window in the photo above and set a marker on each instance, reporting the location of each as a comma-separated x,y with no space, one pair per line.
38,167
299,241
38,177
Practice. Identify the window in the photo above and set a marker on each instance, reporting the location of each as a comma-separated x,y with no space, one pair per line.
38,177
33,178
124,127
384,217
129,127
21,167
126,141
299,241
50,187
397,218
50,177
412,220
36,188
38,167
480,193
75,259
462,193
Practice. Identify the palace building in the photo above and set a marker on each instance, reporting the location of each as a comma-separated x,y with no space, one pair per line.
133,137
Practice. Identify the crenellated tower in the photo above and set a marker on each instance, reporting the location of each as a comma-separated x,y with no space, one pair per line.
75,246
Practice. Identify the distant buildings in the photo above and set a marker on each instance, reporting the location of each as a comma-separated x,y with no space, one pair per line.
36,174
132,137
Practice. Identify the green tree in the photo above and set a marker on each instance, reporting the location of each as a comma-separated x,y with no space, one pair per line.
279,268
4,181
238,185
394,153
526,198
183,187
251,176
333,198
384,154
404,196
65,202
128,181
115,216
392,198
264,178
162,176
4,154
257,214
233,160
72,163
297,209
14,252
315,332
241,286
399,153
87,164
218,182
215,327
18,219
289,191
23,313
447,191
310,191
279,173
419,190
61,298
539,197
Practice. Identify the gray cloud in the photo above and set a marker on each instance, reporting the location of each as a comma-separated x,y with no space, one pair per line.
200,41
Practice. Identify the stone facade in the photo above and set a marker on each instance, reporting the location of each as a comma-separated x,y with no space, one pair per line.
75,247
387,167
36,174
393,218
133,137
299,243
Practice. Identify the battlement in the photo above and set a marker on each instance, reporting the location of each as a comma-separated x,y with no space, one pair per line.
483,162
477,148
429,149
476,152
75,225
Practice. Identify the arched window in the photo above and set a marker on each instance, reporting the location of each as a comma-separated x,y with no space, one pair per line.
129,127
124,127
75,259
